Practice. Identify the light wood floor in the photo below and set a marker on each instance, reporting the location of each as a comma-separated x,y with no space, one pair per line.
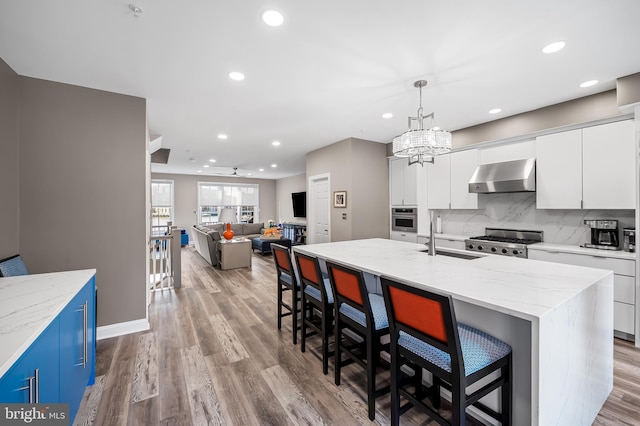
214,356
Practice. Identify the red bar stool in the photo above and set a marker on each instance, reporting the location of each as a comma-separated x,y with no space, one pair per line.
425,334
316,296
363,314
287,281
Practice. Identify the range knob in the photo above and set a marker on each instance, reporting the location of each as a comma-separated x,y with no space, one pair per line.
515,252
479,247
470,246
493,249
504,251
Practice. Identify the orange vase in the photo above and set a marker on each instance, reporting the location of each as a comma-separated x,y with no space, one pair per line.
228,234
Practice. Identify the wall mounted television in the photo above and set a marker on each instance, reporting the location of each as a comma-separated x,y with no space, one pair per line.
299,200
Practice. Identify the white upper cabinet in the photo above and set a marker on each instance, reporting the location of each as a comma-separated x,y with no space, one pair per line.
559,170
403,182
439,182
463,164
608,166
396,180
590,168
513,151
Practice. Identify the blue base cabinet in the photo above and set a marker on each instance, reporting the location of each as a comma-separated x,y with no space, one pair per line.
77,347
35,377
60,363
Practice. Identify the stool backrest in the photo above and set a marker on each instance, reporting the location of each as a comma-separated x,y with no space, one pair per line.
282,259
348,287
13,266
425,315
310,273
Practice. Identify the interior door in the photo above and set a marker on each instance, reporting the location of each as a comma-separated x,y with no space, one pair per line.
319,220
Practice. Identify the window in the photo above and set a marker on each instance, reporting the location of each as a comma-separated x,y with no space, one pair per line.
161,205
213,197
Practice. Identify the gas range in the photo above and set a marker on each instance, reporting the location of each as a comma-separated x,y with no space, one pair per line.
504,242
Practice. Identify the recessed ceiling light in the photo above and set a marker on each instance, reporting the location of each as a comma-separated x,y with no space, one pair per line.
248,174
275,143
222,136
589,83
199,171
235,75
495,110
554,47
435,128
387,115
261,170
274,165
273,18
205,166
212,160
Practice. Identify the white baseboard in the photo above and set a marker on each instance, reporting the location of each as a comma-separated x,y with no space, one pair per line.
122,328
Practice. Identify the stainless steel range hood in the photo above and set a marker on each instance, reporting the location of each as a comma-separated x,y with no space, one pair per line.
508,176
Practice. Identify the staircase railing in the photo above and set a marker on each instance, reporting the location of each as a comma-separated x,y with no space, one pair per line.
164,257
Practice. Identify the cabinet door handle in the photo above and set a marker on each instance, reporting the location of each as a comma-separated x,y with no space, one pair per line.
30,387
85,334
36,391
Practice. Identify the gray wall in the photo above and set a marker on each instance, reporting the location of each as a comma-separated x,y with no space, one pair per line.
9,201
628,89
82,190
360,168
582,110
185,196
284,188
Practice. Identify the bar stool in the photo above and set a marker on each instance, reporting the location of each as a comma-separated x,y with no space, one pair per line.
287,281
425,334
361,313
317,296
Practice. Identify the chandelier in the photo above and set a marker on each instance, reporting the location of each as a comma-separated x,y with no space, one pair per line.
421,145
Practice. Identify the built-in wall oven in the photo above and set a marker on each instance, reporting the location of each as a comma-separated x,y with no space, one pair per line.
404,219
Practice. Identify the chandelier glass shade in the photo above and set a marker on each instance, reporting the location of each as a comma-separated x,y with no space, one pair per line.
421,145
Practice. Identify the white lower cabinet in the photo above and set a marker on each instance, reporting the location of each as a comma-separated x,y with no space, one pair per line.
410,237
624,282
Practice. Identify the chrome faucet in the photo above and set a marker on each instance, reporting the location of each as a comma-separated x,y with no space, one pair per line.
432,238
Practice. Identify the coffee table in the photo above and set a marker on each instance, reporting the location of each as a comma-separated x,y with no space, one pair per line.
235,253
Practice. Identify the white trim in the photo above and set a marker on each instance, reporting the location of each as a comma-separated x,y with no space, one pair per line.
122,328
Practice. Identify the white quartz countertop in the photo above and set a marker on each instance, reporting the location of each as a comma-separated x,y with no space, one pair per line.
524,288
28,304
565,248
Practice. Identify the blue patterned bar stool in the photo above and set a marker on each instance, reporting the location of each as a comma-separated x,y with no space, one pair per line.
12,267
425,334
316,297
363,314
287,281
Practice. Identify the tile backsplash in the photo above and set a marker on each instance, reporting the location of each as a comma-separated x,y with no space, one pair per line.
518,211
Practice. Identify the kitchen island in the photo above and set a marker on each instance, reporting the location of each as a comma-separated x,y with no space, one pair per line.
557,318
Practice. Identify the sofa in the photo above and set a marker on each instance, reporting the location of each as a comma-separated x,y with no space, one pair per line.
206,238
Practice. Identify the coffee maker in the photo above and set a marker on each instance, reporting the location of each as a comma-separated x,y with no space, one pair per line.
604,234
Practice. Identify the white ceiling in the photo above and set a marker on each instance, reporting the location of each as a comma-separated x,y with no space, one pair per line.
327,74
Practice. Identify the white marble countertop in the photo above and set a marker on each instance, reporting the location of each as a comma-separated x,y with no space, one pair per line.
565,248
28,304
524,288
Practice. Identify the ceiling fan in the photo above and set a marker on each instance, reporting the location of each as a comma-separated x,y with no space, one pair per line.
235,173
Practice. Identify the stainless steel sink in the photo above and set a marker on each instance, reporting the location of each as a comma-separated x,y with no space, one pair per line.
459,255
